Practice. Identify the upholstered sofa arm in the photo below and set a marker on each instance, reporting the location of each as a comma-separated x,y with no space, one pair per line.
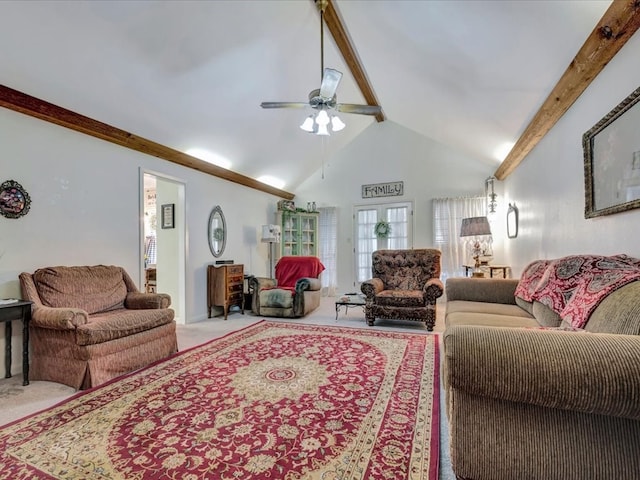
491,290
372,287
585,372
141,301
308,283
258,283
433,289
61,318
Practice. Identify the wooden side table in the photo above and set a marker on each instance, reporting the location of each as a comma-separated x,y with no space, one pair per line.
20,310
491,268
225,287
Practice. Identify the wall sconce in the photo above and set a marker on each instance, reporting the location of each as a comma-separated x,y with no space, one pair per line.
490,194
512,221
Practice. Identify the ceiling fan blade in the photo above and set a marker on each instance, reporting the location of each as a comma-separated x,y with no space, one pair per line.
359,109
330,80
283,105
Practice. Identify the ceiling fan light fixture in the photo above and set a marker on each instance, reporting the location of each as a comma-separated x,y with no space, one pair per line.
322,130
307,125
321,123
325,98
337,124
322,118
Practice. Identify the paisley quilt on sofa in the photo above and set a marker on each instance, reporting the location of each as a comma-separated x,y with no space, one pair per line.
574,286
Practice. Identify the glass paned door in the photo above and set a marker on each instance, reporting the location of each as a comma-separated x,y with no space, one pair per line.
366,242
400,218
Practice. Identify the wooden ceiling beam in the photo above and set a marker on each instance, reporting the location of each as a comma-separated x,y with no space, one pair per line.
617,25
339,33
34,107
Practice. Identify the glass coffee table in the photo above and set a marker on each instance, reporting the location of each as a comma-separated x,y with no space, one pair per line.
349,300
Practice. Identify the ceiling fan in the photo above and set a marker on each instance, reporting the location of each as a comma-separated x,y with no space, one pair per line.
324,99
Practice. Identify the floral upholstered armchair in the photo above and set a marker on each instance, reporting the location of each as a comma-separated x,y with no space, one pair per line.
405,286
294,292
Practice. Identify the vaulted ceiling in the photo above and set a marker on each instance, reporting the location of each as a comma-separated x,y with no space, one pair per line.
192,74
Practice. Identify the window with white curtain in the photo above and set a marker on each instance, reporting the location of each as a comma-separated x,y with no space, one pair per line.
447,219
400,218
328,249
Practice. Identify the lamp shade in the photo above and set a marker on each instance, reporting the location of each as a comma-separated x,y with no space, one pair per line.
307,125
270,234
321,123
474,226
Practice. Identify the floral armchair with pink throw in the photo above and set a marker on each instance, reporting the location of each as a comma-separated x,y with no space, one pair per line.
405,286
294,292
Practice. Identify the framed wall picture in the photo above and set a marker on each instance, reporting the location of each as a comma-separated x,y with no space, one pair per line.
168,215
14,200
612,160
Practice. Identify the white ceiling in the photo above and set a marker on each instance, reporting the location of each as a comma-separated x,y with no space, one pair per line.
192,74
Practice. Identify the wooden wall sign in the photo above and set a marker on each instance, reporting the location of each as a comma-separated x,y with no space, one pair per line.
389,189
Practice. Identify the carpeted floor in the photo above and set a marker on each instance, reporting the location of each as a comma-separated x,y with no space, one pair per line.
17,401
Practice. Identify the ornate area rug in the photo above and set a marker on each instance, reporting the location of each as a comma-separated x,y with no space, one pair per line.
272,401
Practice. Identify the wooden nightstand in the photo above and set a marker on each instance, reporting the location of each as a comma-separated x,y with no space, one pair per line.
225,287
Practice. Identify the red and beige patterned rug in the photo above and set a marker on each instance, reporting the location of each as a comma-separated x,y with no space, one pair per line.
272,401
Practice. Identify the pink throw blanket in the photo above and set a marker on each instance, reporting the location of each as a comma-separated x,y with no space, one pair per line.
290,269
574,286
530,278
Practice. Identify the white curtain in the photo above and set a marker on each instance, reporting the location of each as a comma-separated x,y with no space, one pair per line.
447,219
328,249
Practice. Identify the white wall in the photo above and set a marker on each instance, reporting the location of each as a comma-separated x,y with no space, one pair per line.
387,152
85,197
548,187
171,246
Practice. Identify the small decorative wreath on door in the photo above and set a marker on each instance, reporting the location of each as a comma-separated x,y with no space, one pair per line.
382,229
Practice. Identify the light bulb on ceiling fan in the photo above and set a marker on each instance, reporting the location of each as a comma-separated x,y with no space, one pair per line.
307,125
337,124
322,119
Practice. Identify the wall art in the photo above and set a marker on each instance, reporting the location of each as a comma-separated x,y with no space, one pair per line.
612,160
14,200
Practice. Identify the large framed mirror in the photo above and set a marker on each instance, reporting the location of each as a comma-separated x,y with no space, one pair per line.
612,160
217,231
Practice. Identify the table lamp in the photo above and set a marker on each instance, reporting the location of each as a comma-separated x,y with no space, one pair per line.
479,231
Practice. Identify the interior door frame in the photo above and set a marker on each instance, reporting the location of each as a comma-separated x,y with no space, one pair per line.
180,212
381,206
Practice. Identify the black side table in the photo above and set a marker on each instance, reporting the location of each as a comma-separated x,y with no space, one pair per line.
20,310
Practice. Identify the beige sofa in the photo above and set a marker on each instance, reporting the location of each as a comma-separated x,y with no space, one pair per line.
530,396
90,324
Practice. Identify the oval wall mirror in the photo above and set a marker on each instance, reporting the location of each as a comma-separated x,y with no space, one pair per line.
217,231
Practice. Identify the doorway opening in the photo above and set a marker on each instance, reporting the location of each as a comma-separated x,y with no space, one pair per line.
163,238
